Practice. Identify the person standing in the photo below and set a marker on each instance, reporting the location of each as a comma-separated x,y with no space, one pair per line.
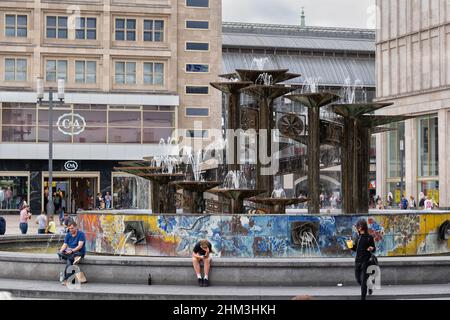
364,246
98,201
421,200
428,204
108,200
42,223
390,199
202,252
25,216
412,203
404,203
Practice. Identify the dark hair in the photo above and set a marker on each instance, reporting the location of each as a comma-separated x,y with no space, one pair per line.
72,223
363,225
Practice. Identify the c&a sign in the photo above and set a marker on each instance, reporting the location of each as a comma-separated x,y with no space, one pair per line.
71,124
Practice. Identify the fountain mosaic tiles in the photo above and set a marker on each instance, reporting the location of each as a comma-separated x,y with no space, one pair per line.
262,236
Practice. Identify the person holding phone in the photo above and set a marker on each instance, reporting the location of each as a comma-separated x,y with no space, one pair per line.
364,246
202,253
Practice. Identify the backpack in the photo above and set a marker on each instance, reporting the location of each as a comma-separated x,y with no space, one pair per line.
2,226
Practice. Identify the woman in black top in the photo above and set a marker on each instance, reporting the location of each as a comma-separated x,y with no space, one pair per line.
364,247
202,252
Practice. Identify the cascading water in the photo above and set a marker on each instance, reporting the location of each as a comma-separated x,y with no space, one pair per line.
235,180
259,63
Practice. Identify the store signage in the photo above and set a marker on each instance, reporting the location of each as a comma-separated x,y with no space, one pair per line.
71,124
71,166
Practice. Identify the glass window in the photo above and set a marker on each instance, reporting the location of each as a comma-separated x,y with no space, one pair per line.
428,146
153,73
197,3
16,26
154,30
154,135
130,192
197,46
124,135
197,24
85,71
429,189
86,28
15,69
125,72
18,116
126,29
56,69
124,118
197,90
393,149
13,191
18,133
197,67
159,119
91,135
57,27
197,112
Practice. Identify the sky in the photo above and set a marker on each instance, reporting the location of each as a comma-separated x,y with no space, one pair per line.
325,13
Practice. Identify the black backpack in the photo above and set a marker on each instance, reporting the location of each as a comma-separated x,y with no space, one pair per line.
2,226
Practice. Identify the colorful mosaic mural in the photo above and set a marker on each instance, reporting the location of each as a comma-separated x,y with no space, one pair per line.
261,236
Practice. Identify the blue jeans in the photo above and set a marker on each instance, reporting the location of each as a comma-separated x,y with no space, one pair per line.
41,231
69,261
23,227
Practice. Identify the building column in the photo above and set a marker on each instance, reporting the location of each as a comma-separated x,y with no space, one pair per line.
411,154
444,155
381,165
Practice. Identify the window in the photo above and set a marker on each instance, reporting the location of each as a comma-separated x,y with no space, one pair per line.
197,112
154,73
13,191
130,192
125,29
85,71
197,46
197,133
428,146
197,90
86,28
16,25
190,24
197,67
126,72
15,69
197,3
56,69
57,27
154,30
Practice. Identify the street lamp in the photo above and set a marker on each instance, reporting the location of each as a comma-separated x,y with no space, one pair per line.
40,97
402,148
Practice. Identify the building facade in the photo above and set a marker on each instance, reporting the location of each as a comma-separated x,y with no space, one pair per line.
135,72
413,71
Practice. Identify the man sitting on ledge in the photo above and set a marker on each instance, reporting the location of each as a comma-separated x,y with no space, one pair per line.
73,249
202,252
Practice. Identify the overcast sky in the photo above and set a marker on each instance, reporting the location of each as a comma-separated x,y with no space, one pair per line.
327,13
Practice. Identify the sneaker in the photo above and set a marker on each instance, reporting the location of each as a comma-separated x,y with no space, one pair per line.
200,282
205,283
76,260
370,292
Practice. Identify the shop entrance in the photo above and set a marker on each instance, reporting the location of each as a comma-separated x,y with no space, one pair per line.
71,193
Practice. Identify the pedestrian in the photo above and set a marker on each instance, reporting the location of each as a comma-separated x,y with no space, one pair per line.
108,200
390,199
202,253
73,249
421,200
412,203
428,204
42,223
364,246
51,229
99,202
404,203
25,217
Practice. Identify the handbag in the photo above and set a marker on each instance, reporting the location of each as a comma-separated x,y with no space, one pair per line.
81,277
373,260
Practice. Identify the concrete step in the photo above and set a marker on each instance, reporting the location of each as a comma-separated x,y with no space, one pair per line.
33,289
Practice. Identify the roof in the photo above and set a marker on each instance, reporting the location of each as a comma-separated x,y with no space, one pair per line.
290,37
332,71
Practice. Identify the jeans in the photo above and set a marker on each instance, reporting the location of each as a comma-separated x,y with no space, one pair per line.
69,261
362,276
23,227
41,231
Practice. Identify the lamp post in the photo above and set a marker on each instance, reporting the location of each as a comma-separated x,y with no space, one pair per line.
402,148
40,97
